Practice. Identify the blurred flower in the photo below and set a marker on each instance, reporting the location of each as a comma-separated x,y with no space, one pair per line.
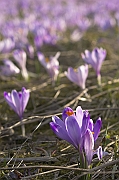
38,41
43,35
9,68
6,45
83,23
50,64
76,35
30,50
78,76
95,59
104,20
18,102
20,57
77,130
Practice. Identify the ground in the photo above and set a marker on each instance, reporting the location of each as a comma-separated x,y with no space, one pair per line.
41,155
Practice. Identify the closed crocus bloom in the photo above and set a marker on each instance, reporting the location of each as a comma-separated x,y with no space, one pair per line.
95,59
20,57
17,100
50,64
9,68
78,76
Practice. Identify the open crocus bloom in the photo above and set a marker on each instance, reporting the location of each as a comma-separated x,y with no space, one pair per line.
17,100
20,57
51,65
77,129
9,68
95,59
78,76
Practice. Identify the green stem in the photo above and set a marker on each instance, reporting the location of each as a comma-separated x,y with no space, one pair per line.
23,128
24,73
82,163
99,79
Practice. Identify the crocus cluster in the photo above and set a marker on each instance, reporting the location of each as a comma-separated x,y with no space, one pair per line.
95,59
79,130
50,64
18,102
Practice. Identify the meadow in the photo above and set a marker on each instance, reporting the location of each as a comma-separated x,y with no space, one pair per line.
39,137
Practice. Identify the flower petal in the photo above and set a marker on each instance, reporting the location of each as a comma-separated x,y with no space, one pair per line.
67,112
20,57
60,132
82,73
58,121
86,56
97,127
73,130
99,152
25,98
79,115
41,58
89,146
16,99
8,99
90,125
72,75
85,122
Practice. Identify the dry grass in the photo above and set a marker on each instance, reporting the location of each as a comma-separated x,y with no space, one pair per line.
41,155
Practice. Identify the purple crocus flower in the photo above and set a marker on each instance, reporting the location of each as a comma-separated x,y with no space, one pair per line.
6,45
76,35
18,102
76,128
9,68
50,64
30,50
95,59
79,76
20,57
